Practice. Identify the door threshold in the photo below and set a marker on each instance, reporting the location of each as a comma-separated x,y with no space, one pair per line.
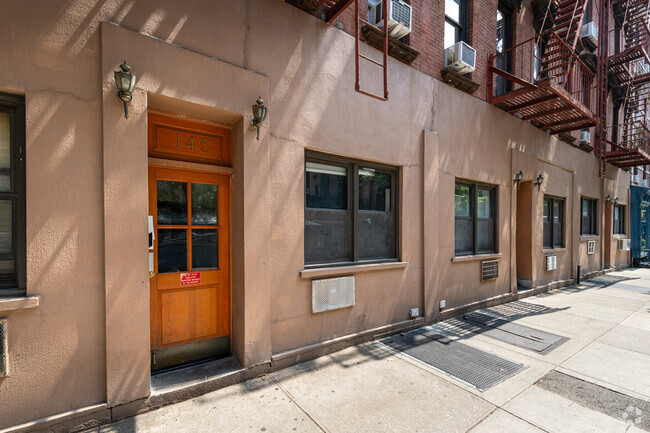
202,377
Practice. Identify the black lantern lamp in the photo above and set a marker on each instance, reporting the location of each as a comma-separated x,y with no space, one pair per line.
608,198
125,82
259,114
518,178
615,201
539,181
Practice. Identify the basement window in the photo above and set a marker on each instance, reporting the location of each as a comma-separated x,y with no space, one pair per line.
475,217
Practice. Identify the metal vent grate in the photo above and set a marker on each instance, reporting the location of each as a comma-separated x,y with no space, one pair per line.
401,13
4,357
489,269
468,55
591,247
551,262
332,294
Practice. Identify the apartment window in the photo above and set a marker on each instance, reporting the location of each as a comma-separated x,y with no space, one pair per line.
475,210
553,222
619,219
588,216
12,195
456,12
350,210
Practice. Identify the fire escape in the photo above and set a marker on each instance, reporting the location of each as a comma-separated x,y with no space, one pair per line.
543,80
626,143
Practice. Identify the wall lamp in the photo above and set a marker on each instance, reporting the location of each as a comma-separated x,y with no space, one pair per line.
125,82
518,178
259,113
539,181
608,198
615,201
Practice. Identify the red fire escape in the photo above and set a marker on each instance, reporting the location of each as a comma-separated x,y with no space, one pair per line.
543,80
627,143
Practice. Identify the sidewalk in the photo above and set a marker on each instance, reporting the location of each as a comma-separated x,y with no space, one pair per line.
597,380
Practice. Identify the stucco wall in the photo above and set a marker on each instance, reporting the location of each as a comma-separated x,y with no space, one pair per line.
86,182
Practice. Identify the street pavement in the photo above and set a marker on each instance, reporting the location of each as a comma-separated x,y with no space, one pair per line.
598,380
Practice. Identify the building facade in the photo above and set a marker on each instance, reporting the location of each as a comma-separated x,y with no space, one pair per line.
406,210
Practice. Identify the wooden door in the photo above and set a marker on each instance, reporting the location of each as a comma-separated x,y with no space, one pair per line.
190,289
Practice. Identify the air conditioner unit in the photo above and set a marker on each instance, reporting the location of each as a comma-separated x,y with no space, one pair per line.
551,262
399,17
585,137
590,32
332,293
624,244
461,58
591,247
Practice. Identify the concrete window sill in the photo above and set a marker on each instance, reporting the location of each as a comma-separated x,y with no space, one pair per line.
16,304
620,236
585,238
458,259
348,270
554,250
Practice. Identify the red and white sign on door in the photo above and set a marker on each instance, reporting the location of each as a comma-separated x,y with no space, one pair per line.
190,278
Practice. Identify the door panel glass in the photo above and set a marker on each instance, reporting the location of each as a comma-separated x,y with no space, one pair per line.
205,249
5,152
204,204
172,250
172,202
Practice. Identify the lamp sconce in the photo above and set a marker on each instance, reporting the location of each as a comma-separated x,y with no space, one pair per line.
615,201
518,178
259,114
608,198
125,82
539,181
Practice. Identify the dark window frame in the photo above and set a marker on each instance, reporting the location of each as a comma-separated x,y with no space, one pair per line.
353,166
473,206
551,224
592,222
462,27
15,106
618,229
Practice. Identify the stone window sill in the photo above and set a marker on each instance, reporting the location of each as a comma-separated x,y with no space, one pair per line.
620,236
348,270
585,238
554,250
458,259
20,303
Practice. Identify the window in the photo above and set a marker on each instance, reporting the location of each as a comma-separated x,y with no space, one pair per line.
350,210
553,222
503,45
12,195
619,219
588,218
475,226
455,22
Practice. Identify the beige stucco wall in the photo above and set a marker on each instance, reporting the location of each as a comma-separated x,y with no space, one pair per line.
88,342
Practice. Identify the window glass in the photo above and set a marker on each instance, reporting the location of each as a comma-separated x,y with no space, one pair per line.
483,205
500,31
462,200
172,250
451,35
588,220
172,202
547,210
374,190
558,223
204,204
452,9
205,249
326,186
330,236
6,218
5,152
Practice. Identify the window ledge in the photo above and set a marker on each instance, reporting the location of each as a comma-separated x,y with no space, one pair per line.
620,236
16,304
585,238
347,270
554,250
457,259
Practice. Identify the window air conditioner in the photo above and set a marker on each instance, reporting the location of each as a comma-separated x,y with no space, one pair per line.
585,137
624,244
399,17
591,247
461,58
551,262
590,32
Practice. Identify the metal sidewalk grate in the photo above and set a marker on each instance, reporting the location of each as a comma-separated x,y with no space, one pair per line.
480,369
519,335
604,281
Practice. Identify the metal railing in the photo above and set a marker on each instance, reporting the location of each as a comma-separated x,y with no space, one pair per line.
544,59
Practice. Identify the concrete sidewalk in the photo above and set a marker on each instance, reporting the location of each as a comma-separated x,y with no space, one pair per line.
596,381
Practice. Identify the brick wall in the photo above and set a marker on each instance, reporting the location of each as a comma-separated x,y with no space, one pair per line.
427,33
